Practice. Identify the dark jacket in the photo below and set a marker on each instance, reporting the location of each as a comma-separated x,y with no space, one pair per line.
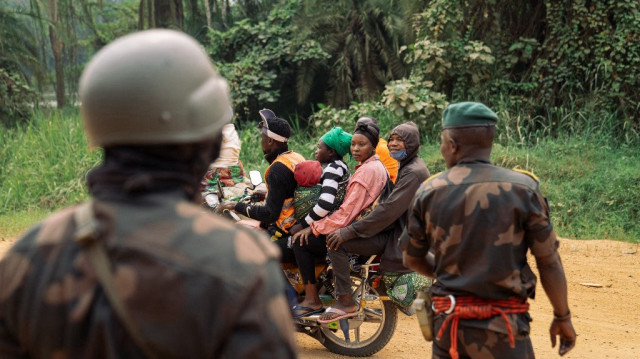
392,213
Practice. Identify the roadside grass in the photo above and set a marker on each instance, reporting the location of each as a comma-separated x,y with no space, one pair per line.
13,224
43,163
593,185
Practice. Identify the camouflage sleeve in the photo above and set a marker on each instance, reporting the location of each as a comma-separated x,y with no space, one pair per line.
14,268
9,346
539,234
264,327
415,240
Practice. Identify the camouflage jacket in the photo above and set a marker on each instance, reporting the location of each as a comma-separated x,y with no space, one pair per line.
480,220
195,286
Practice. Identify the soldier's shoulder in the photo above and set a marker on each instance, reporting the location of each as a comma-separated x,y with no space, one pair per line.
54,229
431,178
520,176
226,239
528,173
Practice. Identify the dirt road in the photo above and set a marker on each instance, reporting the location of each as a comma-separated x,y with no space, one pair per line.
604,292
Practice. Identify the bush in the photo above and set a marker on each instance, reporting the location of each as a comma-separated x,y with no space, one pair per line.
16,99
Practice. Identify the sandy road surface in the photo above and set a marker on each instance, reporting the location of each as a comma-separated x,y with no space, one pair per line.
606,318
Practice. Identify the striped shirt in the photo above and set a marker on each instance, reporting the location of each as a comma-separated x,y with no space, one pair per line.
331,177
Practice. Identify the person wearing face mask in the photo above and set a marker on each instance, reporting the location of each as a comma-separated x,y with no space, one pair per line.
378,232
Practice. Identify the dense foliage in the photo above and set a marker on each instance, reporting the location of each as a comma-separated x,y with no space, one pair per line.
562,75
547,67
263,60
16,98
593,187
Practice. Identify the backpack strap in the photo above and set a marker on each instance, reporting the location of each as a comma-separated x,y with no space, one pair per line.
88,237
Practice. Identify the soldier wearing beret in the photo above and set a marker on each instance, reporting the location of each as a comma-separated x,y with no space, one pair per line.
140,270
479,221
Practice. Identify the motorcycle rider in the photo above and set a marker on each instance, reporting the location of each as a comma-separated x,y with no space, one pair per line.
277,214
378,232
363,190
141,270
382,150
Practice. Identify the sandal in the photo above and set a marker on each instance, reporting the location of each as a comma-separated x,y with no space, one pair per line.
339,314
300,311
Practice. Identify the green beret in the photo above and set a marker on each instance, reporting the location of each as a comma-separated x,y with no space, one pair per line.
468,114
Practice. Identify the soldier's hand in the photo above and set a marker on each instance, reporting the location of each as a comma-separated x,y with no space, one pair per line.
334,240
302,236
563,329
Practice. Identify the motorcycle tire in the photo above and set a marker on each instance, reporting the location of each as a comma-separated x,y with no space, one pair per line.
384,310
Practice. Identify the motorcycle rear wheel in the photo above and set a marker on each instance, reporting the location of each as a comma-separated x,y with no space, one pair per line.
369,337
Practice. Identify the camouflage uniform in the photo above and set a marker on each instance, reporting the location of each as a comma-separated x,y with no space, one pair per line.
480,220
196,286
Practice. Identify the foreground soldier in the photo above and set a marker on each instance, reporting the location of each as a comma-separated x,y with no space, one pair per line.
141,270
479,220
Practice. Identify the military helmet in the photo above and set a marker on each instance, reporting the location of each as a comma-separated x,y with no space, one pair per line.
153,87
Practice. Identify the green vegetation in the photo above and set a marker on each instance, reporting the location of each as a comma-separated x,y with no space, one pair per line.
593,185
562,76
43,163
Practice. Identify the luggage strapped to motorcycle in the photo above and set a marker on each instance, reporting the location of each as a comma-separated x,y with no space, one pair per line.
87,235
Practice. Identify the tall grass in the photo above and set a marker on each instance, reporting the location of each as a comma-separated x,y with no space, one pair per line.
43,163
592,183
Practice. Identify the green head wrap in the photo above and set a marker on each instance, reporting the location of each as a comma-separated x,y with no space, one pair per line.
337,140
468,114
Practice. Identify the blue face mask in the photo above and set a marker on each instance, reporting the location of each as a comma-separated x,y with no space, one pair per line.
400,155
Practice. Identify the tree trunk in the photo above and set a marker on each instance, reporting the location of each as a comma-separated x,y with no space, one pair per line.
141,8
56,48
207,9
169,14
196,15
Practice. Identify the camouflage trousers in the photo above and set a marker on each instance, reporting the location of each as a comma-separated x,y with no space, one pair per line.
477,343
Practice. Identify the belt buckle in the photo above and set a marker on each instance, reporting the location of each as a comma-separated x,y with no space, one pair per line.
452,299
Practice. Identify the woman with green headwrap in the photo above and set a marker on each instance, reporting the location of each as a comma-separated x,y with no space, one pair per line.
331,149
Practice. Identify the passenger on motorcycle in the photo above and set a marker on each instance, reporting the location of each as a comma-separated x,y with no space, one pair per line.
363,189
331,149
382,150
277,215
378,232
227,169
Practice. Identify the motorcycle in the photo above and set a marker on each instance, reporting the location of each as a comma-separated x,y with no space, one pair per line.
362,335
211,199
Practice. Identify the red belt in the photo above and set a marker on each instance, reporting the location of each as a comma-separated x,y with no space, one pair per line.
458,308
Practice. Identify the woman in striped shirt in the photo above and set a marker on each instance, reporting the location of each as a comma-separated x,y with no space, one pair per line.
363,188
331,149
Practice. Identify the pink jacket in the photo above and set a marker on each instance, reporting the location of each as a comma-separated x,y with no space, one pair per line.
364,187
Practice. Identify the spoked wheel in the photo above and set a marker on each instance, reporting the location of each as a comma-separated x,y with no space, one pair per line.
367,333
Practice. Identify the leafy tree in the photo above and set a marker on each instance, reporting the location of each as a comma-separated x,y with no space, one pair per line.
363,38
18,59
261,60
